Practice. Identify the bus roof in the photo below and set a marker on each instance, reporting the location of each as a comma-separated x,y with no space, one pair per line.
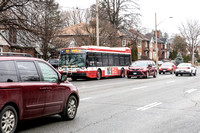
103,49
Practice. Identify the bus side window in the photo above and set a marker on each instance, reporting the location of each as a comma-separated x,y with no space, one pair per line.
105,59
98,59
91,59
116,60
127,60
111,60
121,60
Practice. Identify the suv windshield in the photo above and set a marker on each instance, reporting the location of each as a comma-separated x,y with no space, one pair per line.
77,60
139,64
166,64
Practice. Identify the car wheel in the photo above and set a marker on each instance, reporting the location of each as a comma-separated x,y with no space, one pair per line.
155,74
70,110
195,73
163,72
98,74
122,73
181,74
176,74
8,120
159,72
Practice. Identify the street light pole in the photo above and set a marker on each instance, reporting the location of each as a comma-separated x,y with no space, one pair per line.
97,22
156,36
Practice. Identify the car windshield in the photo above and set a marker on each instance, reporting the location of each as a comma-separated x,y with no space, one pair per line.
139,64
166,64
184,64
76,60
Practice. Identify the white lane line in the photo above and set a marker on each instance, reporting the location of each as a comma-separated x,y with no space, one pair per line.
170,81
137,88
149,106
85,98
190,91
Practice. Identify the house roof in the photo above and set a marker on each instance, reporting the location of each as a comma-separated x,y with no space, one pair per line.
77,29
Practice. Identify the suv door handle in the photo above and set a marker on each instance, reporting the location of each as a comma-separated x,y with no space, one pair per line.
45,88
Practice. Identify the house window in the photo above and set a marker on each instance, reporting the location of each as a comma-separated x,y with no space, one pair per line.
139,43
124,42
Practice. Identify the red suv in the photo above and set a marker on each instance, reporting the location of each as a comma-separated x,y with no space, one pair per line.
31,88
144,68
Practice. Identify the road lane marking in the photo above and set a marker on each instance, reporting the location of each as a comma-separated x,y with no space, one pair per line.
190,91
137,88
149,106
85,98
170,81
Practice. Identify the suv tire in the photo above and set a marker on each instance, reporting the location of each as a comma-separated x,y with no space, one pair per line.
8,120
70,110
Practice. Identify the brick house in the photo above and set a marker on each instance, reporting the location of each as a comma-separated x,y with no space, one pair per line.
9,43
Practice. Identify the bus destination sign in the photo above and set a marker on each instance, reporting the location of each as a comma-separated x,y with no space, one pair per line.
68,51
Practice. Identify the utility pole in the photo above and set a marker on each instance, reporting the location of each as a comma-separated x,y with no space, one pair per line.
97,22
156,41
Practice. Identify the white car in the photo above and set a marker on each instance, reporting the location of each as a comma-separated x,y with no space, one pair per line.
186,68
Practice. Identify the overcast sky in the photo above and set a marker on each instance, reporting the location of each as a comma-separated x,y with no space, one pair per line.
180,10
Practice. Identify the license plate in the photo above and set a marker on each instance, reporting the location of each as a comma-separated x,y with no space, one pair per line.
135,73
164,70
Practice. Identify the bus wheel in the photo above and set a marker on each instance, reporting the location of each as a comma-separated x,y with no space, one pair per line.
98,74
122,73
74,78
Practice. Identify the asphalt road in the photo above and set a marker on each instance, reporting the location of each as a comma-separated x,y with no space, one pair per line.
166,104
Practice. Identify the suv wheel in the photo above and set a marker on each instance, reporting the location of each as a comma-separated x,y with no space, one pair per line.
70,110
8,120
74,78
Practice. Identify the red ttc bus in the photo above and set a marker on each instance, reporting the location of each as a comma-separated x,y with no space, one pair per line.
94,61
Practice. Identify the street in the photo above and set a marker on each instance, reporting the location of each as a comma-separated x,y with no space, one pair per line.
166,104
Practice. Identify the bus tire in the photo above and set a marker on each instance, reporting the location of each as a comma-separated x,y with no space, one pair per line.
99,74
122,75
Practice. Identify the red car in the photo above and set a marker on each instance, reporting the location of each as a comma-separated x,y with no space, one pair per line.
167,67
144,68
31,88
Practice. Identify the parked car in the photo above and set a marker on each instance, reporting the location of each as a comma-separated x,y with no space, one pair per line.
186,68
54,62
143,68
32,88
167,67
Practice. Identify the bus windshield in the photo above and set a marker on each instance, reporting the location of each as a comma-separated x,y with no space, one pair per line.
76,60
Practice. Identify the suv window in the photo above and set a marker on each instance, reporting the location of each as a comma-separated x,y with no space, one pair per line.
28,71
7,71
48,73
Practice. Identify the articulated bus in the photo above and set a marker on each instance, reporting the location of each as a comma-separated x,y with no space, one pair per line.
94,62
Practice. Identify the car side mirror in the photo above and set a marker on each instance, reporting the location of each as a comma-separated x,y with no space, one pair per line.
63,77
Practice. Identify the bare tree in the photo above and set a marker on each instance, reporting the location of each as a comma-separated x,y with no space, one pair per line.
191,32
75,16
121,13
179,44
